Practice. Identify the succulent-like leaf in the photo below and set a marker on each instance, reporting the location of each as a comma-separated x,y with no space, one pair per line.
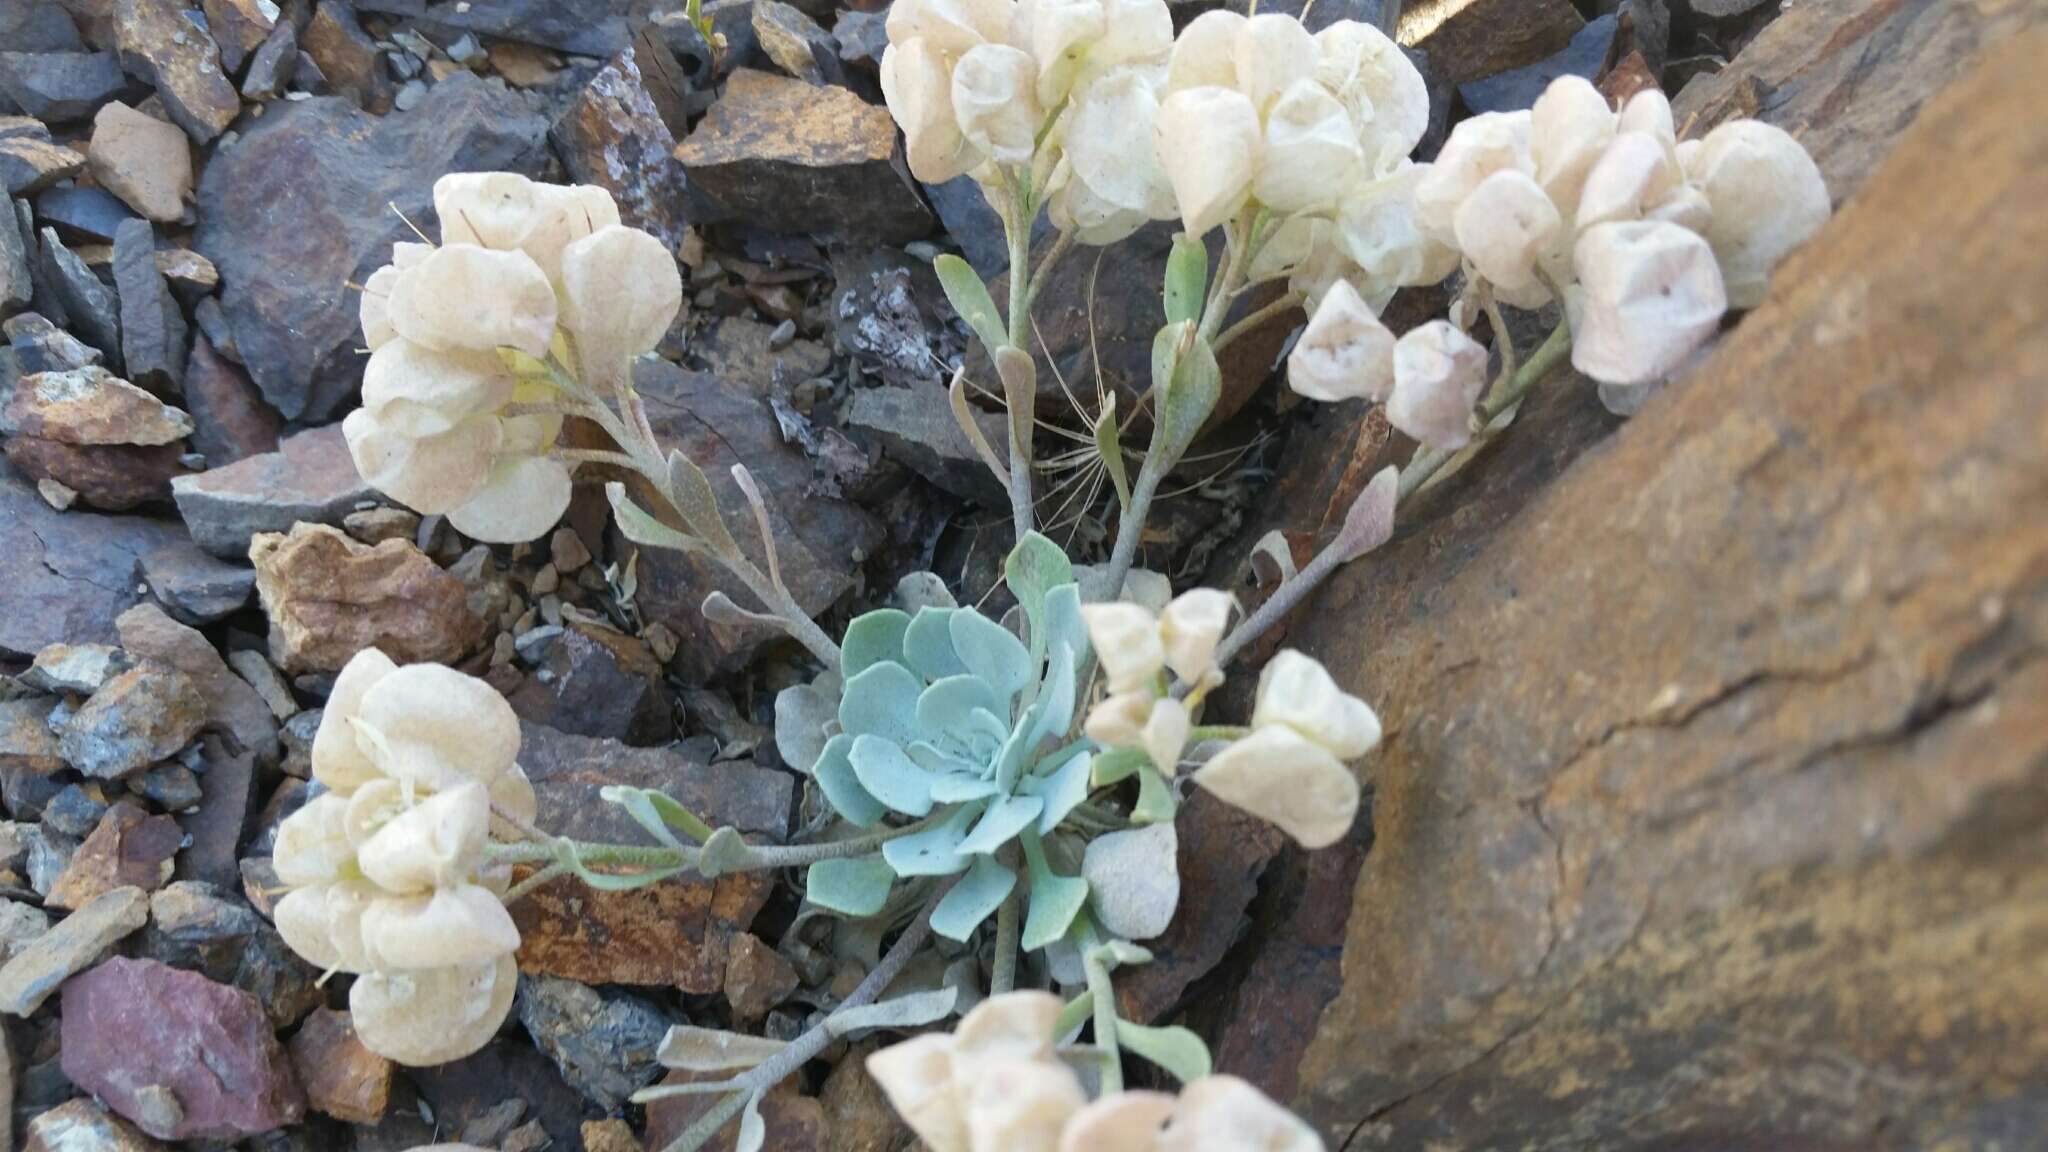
612,881
977,895
990,652
1001,823
723,851
913,1010
891,776
920,590
943,761
1052,713
928,644
933,851
1156,804
657,812
694,500
873,638
804,715
854,887
842,788
753,1133
961,787
1116,765
1187,384
963,415
1055,899
969,297
695,1049
1175,1049
946,705
882,701
1020,394
1187,278
1062,789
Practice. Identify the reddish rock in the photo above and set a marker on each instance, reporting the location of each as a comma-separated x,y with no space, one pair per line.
91,406
77,1125
181,1056
330,597
342,1078
347,55
109,477
230,420
129,849
757,978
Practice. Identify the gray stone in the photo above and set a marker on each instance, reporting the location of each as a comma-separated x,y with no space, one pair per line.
20,925
1469,39
1518,88
583,27
162,42
861,36
310,478
37,26
93,213
915,425
273,65
230,420
327,166
41,346
205,928
196,588
74,812
144,715
83,1126
232,706
171,787
75,668
59,87
92,307
49,854
30,165
216,827
153,333
604,1045
239,28
17,285
796,43
73,945
67,574
614,134
593,682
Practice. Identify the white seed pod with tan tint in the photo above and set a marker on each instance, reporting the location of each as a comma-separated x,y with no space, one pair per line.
323,924
995,100
1505,226
1286,780
1118,720
431,1017
1344,352
463,924
620,292
437,843
340,760
1022,1106
414,390
1310,154
1439,373
431,475
463,296
1190,628
1271,51
1477,148
1633,176
1225,1114
371,307
917,85
1766,197
312,843
1114,182
1649,112
1134,879
1208,144
1013,1026
1165,734
1298,692
917,1077
1076,41
1120,1122
1126,641
1653,293
1205,53
1570,126
522,496
1377,228
951,26
437,728
1381,88
508,212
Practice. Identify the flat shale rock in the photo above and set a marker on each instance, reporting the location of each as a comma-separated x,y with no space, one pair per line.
309,479
1470,39
915,425
88,302
227,796
143,160
37,26
76,668
330,597
144,715
342,1078
793,157
1518,88
604,1045
59,87
617,135
181,1056
34,972
233,708
67,574
91,406
153,333
129,849
28,164
83,1126
1710,809
820,537
583,27
230,420
676,933
162,42
193,587
86,214
239,27
591,681
293,211
17,283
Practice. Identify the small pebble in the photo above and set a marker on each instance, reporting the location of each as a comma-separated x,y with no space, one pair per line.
783,334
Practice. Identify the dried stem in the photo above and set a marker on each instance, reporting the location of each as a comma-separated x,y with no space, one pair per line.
1278,307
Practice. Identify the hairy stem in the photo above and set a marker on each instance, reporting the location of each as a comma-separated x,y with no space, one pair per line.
1017,226
1003,976
1278,307
1105,1021
806,1047
752,857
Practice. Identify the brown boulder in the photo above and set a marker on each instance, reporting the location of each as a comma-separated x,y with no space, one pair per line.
342,1078
329,598
1710,808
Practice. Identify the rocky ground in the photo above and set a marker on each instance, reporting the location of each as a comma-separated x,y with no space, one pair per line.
1712,797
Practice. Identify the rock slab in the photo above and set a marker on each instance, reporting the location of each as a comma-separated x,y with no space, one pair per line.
181,1056
310,478
330,597
1753,687
72,946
